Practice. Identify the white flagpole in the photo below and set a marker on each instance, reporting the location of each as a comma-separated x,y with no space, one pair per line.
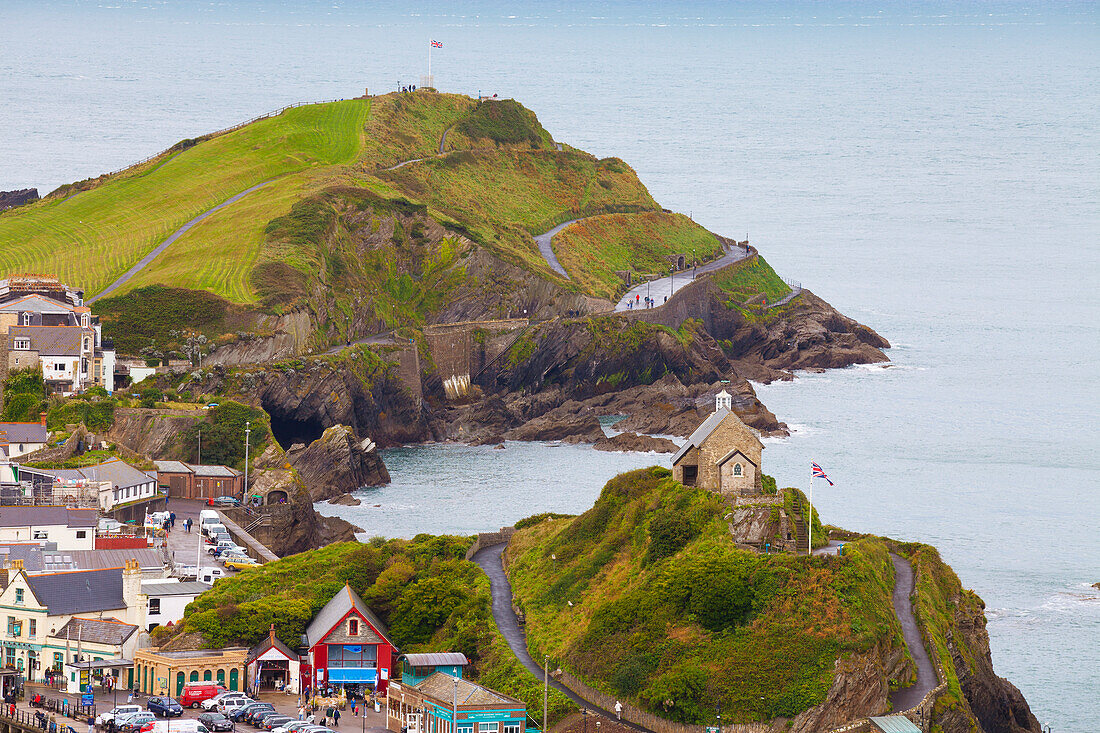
430,44
810,519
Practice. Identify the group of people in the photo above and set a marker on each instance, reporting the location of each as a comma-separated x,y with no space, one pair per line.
639,301
330,714
169,522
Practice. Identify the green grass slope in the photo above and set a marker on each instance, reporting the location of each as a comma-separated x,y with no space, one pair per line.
431,598
96,235
592,250
645,597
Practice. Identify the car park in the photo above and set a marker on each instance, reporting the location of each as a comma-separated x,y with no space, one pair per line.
133,722
244,714
230,705
216,721
165,707
115,713
256,718
175,726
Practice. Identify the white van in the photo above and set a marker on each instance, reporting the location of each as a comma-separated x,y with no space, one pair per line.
209,575
180,725
208,514
213,530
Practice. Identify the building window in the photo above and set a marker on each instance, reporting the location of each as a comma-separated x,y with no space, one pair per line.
465,728
13,629
26,318
39,534
58,661
81,534
487,727
737,469
59,367
352,655
34,628
511,728
353,627
19,596
154,605
22,344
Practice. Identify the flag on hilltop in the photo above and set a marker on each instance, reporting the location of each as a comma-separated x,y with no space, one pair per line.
437,44
819,472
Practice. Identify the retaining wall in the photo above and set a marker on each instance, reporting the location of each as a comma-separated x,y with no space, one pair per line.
488,539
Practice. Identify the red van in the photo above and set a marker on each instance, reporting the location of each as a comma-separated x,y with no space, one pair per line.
195,692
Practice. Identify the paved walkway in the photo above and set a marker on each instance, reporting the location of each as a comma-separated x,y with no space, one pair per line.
489,559
544,240
666,286
167,242
386,338
908,697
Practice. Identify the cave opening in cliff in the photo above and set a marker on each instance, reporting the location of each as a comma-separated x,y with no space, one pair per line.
289,430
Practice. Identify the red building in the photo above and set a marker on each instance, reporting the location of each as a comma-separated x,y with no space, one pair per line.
349,645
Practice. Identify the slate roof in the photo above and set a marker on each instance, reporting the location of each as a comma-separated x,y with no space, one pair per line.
441,686
437,659
703,432
271,642
120,473
216,471
81,591
38,560
23,432
96,631
169,588
345,600
895,724
48,340
171,467
36,303
45,516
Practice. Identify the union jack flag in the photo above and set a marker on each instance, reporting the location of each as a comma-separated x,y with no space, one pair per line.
437,44
819,472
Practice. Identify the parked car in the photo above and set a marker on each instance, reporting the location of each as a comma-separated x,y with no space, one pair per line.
258,715
243,714
241,563
133,722
213,528
268,722
222,546
222,550
117,712
175,726
195,692
212,703
216,721
165,707
223,501
209,575
230,705
293,726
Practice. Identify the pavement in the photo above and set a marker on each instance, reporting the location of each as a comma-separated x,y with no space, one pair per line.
490,561
167,242
663,288
547,251
183,546
908,697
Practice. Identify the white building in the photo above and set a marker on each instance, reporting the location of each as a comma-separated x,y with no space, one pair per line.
115,482
69,529
165,600
20,438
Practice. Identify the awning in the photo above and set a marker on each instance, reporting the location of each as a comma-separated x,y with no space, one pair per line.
116,663
351,674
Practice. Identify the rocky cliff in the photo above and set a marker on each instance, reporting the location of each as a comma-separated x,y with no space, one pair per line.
11,199
337,463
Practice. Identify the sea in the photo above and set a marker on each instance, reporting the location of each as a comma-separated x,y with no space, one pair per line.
932,169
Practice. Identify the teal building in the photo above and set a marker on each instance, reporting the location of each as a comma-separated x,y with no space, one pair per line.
416,668
442,703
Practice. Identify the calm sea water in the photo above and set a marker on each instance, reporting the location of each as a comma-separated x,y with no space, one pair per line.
931,169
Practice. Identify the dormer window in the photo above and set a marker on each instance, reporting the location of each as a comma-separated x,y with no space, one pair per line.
353,627
737,469
25,319
85,320
22,344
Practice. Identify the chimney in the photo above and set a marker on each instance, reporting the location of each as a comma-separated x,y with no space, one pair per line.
16,564
42,418
131,586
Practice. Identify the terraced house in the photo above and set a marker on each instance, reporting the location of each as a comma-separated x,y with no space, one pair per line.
47,325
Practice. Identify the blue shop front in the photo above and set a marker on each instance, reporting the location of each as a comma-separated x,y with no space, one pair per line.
443,703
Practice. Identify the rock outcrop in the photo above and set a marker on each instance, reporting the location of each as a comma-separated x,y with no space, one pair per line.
337,463
570,428
633,442
153,433
11,199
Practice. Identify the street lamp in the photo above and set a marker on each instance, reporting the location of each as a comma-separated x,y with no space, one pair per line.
586,720
718,709
545,688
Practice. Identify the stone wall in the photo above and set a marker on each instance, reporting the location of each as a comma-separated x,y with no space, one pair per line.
488,539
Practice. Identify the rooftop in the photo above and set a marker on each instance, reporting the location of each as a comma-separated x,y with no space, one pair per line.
37,560
437,659
46,516
96,631
23,432
442,686
171,588
117,471
81,591
345,600
48,340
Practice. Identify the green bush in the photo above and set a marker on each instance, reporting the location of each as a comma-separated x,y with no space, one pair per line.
505,122
146,317
668,534
223,433
24,395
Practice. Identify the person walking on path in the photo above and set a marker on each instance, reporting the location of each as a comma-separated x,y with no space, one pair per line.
335,717
353,707
619,710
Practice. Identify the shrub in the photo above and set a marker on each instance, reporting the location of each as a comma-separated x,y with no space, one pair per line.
669,532
223,433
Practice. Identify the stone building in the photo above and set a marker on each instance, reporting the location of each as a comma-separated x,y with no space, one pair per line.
445,704
723,454
162,672
191,481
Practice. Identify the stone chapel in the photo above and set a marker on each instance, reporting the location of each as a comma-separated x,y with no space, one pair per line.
722,455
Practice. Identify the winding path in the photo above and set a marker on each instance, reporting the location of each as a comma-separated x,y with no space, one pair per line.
908,697
490,561
666,286
144,261
543,241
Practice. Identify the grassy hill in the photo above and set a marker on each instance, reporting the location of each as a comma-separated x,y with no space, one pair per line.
645,597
